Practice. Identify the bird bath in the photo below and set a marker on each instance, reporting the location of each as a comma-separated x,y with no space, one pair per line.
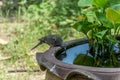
61,67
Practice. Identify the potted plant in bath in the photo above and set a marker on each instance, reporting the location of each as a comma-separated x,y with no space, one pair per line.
99,20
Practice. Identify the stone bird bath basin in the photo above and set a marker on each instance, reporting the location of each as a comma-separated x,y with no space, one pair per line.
60,68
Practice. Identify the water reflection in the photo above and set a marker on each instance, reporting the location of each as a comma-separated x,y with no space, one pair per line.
73,52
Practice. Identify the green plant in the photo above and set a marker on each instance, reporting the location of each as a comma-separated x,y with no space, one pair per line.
99,20
54,16
17,6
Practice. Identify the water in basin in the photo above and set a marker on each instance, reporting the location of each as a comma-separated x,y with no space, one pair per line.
73,52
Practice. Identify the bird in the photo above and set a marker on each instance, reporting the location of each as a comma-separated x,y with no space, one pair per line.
52,40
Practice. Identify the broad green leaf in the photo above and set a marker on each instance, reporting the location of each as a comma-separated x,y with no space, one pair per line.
113,15
91,16
115,61
101,34
83,59
113,2
77,26
100,3
112,38
104,21
83,27
90,34
116,7
85,3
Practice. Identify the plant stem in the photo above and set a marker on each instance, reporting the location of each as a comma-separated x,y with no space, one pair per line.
117,32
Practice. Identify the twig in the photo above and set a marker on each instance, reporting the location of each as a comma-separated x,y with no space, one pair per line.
25,70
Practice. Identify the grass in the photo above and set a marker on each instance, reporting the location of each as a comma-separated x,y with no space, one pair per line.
22,33
21,36
18,49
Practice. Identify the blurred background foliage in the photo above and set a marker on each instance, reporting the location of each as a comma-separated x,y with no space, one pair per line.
38,18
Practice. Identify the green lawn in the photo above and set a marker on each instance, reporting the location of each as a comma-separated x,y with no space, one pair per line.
16,54
25,27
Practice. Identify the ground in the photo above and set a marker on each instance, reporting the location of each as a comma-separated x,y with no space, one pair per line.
7,34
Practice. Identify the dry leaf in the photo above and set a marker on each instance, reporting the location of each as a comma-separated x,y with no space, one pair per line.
4,58
3,42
